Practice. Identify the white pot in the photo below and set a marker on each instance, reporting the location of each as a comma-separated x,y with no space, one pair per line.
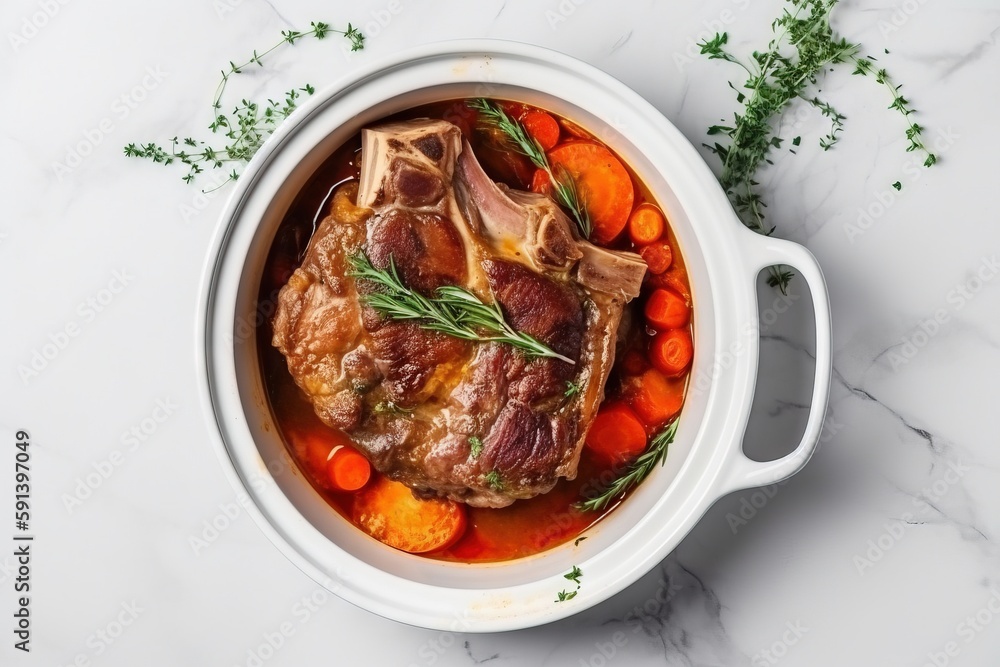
706,460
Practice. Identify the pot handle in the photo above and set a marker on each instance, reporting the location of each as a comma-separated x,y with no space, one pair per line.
760,253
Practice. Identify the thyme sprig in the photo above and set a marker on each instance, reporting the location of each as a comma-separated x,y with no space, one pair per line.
250,122
563,185
318,29
803,46
914,132
452,311
635,473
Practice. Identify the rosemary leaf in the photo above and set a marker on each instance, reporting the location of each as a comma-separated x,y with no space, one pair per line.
636,472
453,311
563,185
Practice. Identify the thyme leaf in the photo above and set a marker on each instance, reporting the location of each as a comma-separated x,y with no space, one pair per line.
563,595
494,480
803,46
574,576
475,446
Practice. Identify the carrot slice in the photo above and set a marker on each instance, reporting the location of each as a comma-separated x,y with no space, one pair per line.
616,435
315,447
389,512
347,468
645,225
655,397
674,278
574,130
515,110
602,182
541,183
671,351
666,309
542,127
658,257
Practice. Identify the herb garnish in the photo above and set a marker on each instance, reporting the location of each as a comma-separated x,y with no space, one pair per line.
389,407
453,311
494,480
914,132
250,123
475,446
572,389
637,471
564,187
776,78
574,576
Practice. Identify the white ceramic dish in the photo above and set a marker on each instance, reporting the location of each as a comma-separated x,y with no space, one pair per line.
706,461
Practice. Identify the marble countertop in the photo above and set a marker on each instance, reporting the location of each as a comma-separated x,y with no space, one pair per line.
881,552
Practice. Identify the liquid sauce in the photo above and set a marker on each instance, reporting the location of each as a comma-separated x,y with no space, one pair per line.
527,526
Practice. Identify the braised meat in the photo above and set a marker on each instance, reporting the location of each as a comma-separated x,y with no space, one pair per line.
477,422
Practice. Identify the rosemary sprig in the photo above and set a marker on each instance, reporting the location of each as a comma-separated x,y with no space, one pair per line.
637,471
453,311
563,185
803,45
249,124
